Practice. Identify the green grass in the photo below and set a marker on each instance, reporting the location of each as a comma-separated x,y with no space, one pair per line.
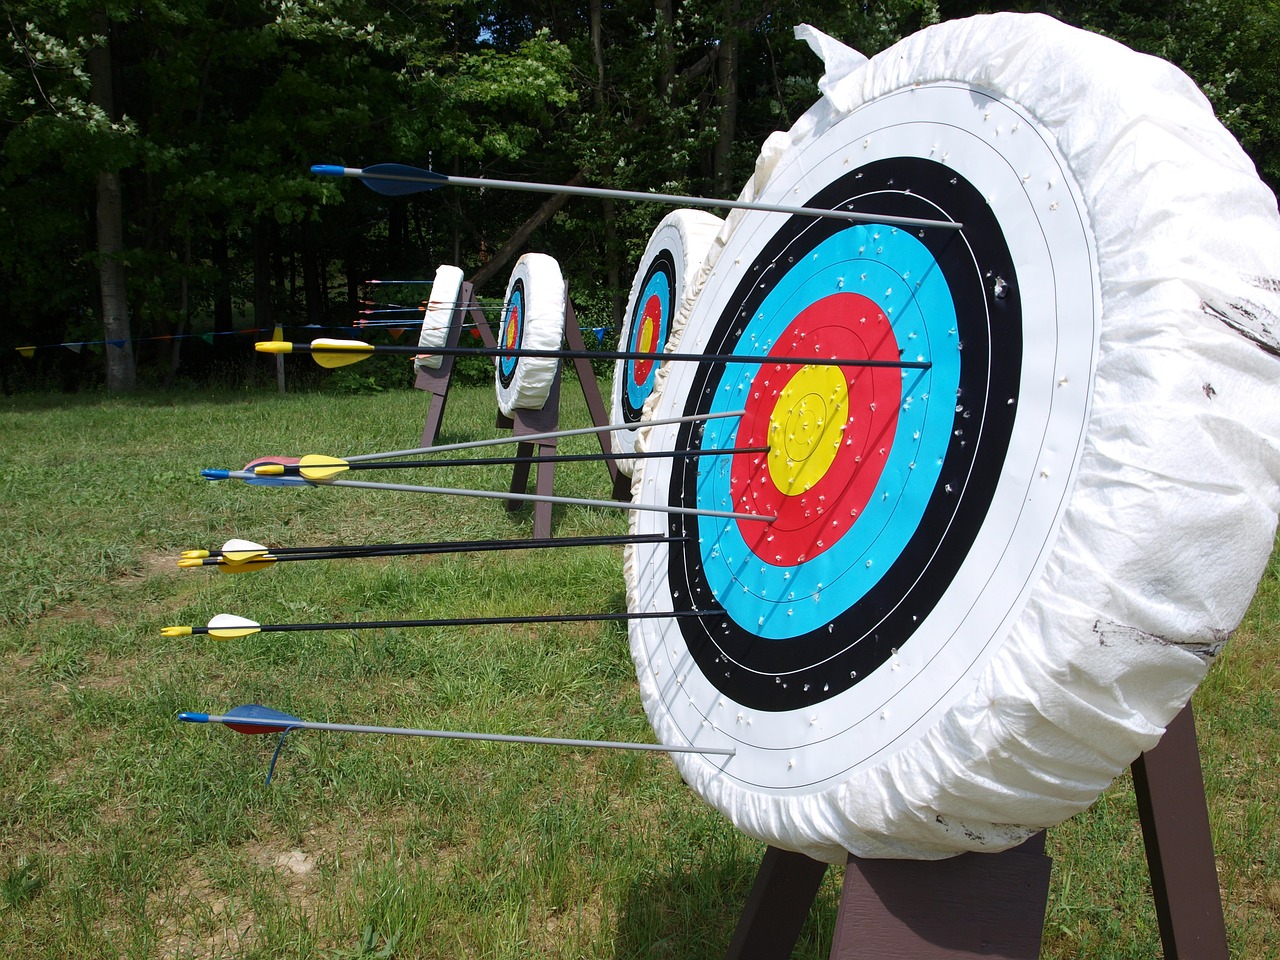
126,834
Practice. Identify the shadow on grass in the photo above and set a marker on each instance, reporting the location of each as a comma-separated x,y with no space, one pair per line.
690,912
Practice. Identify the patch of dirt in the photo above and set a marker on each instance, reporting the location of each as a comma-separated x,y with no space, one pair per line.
199,922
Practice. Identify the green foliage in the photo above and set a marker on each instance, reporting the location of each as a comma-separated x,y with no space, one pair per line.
221,110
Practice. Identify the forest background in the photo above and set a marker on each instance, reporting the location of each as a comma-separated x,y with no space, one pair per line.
155,190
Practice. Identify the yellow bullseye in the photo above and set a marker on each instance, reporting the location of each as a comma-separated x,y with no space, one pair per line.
807,427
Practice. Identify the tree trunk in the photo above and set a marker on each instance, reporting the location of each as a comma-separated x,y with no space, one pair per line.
726,99
121,370
518,239
262,316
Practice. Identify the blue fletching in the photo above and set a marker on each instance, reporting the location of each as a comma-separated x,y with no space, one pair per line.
256,711
422,179
276,481
328,170
192,717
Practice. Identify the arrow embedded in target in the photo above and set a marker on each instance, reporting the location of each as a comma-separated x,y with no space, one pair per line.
397,179
333,353
319,467
228,626
243,556
253,719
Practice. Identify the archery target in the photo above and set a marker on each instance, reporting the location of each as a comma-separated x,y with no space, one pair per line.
438,314
532,319
670,263
922,648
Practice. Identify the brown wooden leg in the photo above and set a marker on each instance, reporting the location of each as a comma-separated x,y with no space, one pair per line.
1169,787
777,906
973,905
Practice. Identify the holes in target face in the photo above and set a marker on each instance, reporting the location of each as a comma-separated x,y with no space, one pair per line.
880,479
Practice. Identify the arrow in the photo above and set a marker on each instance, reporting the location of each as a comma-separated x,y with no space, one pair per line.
236,555
500,441
319,467
254,719
499,495
397,179
228,626
332,353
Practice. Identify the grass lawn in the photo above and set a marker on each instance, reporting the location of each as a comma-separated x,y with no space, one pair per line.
124,833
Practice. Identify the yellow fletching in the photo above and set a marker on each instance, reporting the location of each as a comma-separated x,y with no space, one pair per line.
242,556
318,467
231,633
175,632
273,346
246,566
339,353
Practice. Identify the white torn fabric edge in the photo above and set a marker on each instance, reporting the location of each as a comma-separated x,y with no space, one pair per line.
544,302
686,235
439,313
1172,518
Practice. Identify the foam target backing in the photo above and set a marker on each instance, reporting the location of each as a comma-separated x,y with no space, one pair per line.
438,314
978,586
532,319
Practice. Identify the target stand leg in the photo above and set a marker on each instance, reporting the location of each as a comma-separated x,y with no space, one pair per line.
973,905
1169,787
595,400
525,422
436,382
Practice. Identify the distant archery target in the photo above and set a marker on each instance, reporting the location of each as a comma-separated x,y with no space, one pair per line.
675,253
532,319
438,314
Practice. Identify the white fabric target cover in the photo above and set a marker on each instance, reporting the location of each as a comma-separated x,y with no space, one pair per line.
1169,489
671,260
532,319
438,314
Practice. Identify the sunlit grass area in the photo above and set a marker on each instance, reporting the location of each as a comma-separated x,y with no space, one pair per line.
124,833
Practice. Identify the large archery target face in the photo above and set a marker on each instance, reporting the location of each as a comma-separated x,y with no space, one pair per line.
666,272
914,508
532,319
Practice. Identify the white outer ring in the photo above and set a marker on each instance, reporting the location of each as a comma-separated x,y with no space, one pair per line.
1172,515
543,330
687,235
438,314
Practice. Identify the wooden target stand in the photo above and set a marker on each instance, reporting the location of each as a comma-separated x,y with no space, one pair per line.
993,904
546,419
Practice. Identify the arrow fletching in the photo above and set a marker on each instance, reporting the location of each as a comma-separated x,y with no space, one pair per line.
318,467
227,626
236,550
388,179
252,719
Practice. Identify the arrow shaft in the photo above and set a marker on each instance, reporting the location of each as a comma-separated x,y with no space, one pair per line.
274,725
414,549
791,361
673,199
291,469
522,497
472,621
538,437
